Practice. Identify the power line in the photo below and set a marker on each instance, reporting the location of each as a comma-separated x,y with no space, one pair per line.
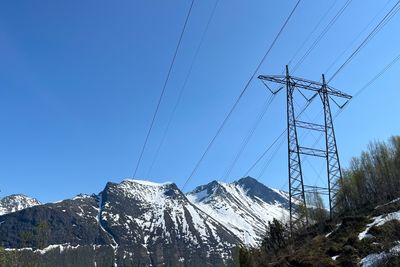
163,88
274,153
268,162
277,148
356,38
183,86
293,57
240,96
246,140
359,91
370,82
264,153
322,34
392,12
274,142
312,32
380,25
388,66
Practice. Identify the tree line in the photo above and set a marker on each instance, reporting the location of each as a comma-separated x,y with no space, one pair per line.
372,178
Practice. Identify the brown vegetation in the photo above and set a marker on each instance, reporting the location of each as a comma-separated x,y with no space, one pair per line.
370,185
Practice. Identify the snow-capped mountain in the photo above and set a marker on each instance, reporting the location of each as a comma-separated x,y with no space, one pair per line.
16,202
244,206
132,223
141,223
163,223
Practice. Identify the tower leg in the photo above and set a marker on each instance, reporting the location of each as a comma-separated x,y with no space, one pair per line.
298,206
334,171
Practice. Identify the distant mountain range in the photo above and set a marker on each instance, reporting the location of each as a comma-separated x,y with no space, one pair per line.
141,223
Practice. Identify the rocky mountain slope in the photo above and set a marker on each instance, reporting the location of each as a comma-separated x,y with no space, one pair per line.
132,223
16,202
162,223
244,207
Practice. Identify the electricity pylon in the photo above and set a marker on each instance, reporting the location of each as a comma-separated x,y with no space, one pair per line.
297,188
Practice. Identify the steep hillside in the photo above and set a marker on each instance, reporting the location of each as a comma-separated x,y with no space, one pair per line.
369,239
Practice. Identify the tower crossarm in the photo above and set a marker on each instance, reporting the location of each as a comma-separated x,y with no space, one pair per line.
304,84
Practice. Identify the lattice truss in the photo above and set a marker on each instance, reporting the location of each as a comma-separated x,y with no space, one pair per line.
297,188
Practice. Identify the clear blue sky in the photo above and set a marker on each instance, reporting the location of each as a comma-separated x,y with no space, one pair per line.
79,81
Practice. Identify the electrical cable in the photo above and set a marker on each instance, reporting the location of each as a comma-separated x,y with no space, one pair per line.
163,89
370,82
240,96
312,32
392,12
274,142
357,93
183,87
248,137
322,34
356,38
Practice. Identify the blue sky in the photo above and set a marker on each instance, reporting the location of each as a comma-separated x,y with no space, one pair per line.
79,81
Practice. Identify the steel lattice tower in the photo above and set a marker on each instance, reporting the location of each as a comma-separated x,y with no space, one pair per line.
297,188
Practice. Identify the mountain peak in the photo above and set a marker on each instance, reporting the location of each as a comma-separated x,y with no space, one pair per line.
254,188
248,180
143,190
244,206
16,202
202,192
143,185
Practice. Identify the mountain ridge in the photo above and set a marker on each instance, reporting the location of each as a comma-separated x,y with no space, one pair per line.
138,222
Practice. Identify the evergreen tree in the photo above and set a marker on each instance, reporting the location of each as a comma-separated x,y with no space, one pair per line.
275,238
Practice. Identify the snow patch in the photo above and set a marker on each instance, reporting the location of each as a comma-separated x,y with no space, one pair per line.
375,259
336,227
61,247
147,183
391,202
378,221
114,244
81,196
